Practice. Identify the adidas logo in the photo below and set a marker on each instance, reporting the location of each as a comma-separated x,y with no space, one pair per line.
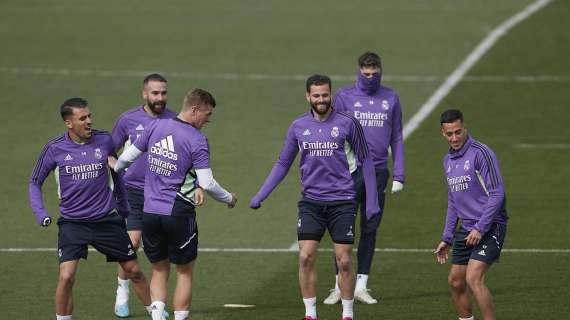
139,127
481,253
165,148
350,233
357,104
307,132
68,157
131,252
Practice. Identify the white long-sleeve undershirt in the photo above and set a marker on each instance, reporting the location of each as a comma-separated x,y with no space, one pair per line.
207,182
127,158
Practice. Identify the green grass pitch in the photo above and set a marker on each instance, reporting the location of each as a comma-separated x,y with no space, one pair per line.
253,56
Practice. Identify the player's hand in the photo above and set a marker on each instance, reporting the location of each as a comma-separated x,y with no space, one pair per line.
254,203
397,186
473,238
232,204
442,252
46,222
111,161
199,198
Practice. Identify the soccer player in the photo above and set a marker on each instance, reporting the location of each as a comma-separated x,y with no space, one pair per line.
476,197
177,155
91,204
377,107
330,143
128,128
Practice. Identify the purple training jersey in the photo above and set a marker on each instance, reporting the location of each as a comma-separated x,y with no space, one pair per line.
84,186
128,128
329,149
380,115
174,149
476,194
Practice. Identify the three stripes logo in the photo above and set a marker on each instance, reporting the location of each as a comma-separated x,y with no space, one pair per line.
165,148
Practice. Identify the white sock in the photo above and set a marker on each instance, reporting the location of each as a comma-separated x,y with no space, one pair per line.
470,318
336,287
361,282
347,308
181,315
310,307
122,291
157,308
58,317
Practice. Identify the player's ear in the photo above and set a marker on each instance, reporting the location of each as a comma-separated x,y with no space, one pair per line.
68,123
308,96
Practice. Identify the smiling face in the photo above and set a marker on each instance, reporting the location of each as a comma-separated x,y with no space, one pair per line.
319,97
455,134
79,124
155,95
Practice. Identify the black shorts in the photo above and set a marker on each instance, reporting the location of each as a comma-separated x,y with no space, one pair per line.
370,225
108,235
136,203
317,216
172,237
488,250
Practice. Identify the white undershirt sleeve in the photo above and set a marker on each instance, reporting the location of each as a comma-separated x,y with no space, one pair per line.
207,182
127,158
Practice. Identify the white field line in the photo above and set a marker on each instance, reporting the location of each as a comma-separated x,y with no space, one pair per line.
459,73
468,63
40,71
281,250
556,146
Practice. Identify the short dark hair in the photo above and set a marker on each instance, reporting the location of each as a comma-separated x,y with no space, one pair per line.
318,80
199,97
68,105
369,60
154,77
450,116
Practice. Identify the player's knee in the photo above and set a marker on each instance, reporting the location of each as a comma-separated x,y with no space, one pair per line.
133,272
455,282
344,263
306,259
67,278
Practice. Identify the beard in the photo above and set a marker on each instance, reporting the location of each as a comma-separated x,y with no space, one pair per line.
320,111
157,107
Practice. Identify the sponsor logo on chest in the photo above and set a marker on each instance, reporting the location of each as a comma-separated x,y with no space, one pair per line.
165,149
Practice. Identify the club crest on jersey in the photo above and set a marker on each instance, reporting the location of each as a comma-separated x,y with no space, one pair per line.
357,104
98,154
334,132
307,132
371,102
385,105
467,165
